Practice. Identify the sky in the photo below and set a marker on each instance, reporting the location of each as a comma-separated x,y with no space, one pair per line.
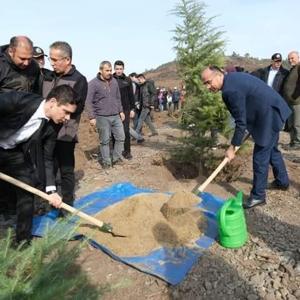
140,32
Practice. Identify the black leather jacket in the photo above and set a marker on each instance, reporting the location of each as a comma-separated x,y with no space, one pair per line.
13,78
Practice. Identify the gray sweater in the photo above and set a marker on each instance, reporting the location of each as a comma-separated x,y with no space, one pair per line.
103,98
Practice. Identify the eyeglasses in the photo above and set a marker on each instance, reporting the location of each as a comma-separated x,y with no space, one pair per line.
54,60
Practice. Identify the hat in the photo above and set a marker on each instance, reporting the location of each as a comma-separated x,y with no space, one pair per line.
38,52
276,57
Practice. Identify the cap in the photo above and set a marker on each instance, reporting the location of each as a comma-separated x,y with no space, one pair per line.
38,52
276,57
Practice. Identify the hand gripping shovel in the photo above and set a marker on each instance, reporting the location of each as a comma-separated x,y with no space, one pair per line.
200,188
105,227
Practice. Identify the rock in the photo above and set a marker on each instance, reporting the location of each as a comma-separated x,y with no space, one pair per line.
291,297
269,296
297,269
207,285
297,294
276,283
252,297
257,280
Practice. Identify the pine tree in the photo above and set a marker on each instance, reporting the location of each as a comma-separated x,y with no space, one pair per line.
198,45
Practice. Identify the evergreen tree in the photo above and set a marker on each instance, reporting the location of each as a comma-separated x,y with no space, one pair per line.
198,45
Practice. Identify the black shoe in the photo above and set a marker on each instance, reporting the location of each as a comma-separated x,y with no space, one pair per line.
127,156
140,141
118,162
251,202
106,166
275,186
153,134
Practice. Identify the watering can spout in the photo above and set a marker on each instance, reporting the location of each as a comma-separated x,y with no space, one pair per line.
239,199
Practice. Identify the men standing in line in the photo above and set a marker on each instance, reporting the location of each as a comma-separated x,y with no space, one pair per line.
64,72
106,113
128,103
19,135
263,112
18,71
274,75
147,94
291,93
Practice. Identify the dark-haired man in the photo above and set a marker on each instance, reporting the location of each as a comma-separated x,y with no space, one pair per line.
27,144
127,99
147,94
64,72
18,71
263,112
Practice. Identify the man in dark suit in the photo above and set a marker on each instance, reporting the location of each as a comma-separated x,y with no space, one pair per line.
259,109
273,75
27,141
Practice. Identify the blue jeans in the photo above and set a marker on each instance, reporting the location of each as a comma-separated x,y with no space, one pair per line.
106,126
145,117
262,158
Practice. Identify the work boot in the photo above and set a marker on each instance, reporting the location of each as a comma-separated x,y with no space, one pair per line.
118,162
251,202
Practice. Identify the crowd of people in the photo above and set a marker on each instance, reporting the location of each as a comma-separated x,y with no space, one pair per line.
40,111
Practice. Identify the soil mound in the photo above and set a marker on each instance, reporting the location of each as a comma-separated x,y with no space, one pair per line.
146,228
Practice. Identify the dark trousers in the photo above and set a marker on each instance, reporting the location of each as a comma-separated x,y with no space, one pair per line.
12,163
65,160
262,158
126,124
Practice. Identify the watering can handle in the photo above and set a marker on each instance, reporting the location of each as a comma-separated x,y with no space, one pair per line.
222,215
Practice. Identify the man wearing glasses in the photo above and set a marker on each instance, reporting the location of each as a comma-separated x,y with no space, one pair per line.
259,109
64,72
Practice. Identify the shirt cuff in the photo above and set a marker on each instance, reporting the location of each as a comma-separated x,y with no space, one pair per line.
50,188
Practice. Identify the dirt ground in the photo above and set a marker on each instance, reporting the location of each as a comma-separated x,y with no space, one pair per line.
267,267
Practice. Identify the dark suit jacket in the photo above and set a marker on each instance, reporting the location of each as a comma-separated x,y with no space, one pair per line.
254,106
16,108
279,79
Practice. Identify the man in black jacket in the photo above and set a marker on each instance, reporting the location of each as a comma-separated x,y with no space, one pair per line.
147,94
24,127
18,71
64,72
128,103
273,75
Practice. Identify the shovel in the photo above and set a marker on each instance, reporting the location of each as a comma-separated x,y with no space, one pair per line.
200,188
105,227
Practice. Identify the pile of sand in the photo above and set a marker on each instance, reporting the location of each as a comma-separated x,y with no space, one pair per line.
146,228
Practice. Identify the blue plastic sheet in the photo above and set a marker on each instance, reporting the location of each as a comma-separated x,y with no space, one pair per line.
168,264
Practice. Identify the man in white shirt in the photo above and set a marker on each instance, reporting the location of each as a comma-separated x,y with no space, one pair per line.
274,75
27,141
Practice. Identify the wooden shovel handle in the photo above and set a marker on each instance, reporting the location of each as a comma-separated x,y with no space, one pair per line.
203,186
45,196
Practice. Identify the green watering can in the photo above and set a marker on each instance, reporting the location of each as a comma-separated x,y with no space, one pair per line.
232,223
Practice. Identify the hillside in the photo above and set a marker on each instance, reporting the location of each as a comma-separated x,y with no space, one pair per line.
167,74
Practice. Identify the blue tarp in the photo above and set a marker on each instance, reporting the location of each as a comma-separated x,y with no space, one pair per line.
168,264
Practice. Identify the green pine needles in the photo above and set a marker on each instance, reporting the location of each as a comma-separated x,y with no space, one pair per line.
44,270
198,45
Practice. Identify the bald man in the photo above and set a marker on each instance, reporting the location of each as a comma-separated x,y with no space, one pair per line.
255,107
291,93
18,71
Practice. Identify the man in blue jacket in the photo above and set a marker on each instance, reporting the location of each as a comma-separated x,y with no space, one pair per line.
259,109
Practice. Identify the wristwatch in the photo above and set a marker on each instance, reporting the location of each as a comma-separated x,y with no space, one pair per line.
51,192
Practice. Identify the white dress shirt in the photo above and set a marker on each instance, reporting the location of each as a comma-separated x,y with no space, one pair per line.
271,76
25,132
